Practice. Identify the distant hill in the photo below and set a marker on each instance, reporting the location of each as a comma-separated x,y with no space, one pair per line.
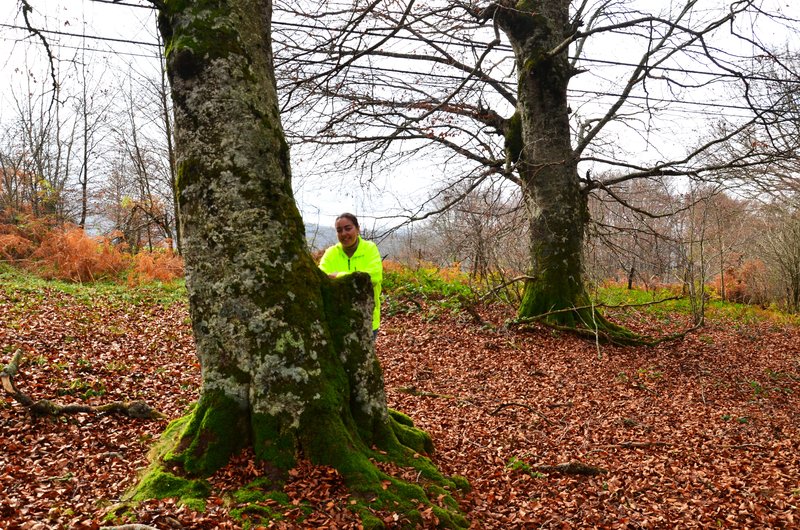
320,237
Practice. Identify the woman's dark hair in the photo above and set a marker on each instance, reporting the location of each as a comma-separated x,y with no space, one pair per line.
350,217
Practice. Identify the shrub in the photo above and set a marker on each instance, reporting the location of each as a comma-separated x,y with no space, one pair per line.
158,265
21,234
70,254
14,247
732,285
746,284
429,283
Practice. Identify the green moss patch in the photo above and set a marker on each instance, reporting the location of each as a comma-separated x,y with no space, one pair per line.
408,435
160,484
214,432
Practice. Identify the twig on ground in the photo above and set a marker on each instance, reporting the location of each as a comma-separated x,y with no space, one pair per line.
129,527
637,445
744,446
572,468
45,407
414,391
505,405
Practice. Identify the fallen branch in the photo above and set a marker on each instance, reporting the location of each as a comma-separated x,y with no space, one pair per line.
414,391
45,407
528,407
503,285
9,371
572,468
744,446
129,527
637,445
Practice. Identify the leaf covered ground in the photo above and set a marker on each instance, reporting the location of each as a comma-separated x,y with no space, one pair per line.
698,433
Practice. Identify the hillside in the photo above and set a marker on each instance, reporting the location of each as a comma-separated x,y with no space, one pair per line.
702,432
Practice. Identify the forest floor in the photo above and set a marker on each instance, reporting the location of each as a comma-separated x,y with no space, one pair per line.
697,433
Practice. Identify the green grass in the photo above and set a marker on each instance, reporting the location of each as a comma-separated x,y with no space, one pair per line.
742,314
25,287
405,290
424,285
425,282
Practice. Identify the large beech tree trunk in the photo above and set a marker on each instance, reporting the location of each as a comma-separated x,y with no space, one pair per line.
287,359
556,206
538,140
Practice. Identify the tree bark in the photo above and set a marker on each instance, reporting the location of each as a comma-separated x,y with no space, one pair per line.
539,143
284,353
287,356
556,206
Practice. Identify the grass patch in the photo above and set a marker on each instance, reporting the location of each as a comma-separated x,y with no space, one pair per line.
515,464
26,288
741,314
411,290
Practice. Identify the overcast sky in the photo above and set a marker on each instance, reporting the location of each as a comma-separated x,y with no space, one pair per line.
126,44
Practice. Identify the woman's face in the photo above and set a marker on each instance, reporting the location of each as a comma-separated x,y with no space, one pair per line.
347,232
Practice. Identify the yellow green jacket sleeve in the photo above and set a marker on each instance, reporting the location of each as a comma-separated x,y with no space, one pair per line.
366,258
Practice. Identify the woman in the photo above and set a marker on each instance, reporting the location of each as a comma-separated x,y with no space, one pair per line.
351,254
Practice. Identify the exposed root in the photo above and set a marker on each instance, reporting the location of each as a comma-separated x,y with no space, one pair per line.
528,407
45,407
572,468
129,527
598,327
601,330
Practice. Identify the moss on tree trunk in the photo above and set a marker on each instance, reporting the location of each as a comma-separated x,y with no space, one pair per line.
287,356
556,205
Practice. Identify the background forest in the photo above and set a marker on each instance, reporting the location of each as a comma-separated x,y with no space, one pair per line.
87,144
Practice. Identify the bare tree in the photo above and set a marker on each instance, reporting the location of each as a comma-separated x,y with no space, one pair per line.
14,180
287,355
780,246
46,142
481,233
91,108
633,235
148,198
394,80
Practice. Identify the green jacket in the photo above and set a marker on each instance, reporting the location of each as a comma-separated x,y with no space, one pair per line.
367,259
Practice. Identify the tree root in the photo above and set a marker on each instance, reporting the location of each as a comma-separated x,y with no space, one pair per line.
505,405
604,331
600,328
45,407
572,468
